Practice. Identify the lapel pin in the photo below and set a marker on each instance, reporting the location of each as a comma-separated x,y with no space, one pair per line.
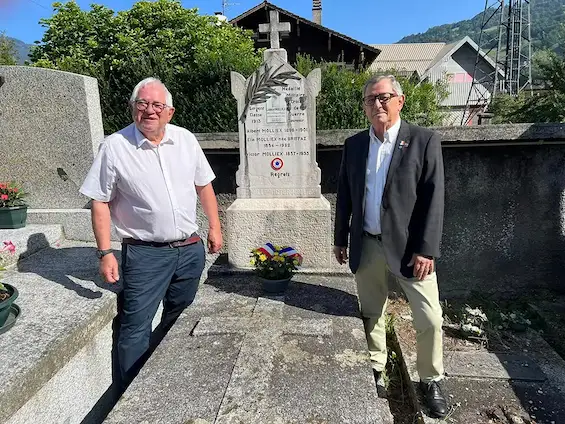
403,144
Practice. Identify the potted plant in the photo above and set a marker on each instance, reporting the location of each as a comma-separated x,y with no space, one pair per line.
9,311
13,209
275,266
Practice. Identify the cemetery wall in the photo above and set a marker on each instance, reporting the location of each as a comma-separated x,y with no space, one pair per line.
505,202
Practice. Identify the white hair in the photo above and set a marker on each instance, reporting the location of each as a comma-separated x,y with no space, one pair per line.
378,78
147,81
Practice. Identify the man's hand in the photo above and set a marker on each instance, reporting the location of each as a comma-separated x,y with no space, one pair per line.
214,240
422,266
109,268
340,254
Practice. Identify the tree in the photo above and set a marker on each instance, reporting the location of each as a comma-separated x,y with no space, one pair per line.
339,102
505,108
546,105
8,52
192,54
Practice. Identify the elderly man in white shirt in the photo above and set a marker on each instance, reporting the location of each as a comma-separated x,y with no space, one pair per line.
145,179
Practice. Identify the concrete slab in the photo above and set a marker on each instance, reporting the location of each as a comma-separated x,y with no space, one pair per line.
30,239
64,306
486,387
314,370
492,365
251,223
485,401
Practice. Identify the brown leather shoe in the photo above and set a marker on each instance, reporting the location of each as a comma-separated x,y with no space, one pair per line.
435,400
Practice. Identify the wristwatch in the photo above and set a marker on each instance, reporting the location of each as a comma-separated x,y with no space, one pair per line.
102,253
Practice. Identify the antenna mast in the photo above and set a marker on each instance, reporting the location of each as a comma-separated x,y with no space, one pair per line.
226,5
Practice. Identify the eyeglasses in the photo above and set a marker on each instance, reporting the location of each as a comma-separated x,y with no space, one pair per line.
383,99
143,105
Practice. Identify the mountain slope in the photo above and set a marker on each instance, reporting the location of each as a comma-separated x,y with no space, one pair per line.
22,49
547,17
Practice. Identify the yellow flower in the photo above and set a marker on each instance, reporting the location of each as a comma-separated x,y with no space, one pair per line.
262,257
276,254
252,261
277,247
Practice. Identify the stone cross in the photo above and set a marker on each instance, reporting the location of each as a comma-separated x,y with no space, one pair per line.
274,28
245,400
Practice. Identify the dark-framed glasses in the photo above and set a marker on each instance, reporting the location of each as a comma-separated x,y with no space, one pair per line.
383,99
143,105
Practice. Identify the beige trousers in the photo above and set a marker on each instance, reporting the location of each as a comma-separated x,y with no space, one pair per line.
423,296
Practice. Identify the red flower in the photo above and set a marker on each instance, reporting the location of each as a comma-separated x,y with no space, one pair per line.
3,185
4,197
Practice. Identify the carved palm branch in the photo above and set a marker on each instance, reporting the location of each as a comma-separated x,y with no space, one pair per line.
260,87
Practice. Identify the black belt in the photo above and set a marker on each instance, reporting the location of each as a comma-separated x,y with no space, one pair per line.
194,238
375,236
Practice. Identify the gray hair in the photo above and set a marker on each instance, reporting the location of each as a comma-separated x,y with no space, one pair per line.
147,81
378,78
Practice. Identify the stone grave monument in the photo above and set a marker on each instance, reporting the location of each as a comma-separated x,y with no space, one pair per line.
278,195
59,128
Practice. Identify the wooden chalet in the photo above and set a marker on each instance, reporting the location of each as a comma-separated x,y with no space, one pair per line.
308,37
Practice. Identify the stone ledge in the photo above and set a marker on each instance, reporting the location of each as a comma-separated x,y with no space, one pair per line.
64,306
451,136
77,224
30,239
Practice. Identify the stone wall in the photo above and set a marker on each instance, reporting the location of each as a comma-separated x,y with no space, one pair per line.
505,202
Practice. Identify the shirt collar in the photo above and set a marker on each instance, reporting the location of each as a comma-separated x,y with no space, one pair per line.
140,138
392,133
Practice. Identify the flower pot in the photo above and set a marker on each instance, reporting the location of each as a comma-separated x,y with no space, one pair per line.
274,286
13,217
6,305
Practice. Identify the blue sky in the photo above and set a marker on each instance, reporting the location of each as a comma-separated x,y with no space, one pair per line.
364,20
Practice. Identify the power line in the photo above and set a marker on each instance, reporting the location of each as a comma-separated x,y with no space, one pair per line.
39,4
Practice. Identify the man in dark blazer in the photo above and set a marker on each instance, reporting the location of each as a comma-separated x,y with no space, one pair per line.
390,205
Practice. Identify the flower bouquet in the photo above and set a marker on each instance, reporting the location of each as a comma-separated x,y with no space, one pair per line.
275,265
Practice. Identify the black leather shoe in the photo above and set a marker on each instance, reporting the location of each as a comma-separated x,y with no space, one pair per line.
435,401
379,382
377,374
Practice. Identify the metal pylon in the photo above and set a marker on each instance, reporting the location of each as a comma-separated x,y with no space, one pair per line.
509,45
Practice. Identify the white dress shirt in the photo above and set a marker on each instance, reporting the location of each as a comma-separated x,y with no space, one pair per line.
150,188
378,162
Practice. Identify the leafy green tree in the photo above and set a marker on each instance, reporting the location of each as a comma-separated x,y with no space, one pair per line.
546,105
8,52
192,54
505,108
423,101
339,102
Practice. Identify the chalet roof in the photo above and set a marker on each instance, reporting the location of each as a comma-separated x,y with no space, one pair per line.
268,5
450,49
408,57
420,57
